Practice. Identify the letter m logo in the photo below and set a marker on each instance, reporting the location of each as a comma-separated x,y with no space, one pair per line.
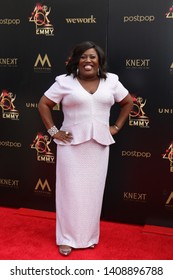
42,185
169,198
42,61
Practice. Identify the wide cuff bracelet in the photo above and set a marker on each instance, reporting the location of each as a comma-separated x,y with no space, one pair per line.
53,130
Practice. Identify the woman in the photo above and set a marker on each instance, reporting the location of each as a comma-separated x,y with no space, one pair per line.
87,93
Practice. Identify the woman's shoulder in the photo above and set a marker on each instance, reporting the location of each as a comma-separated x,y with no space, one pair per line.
64,78
112,79
112,76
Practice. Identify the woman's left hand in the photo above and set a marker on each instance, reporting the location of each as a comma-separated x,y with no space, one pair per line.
113,130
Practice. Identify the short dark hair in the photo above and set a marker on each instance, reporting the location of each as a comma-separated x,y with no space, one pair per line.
73,61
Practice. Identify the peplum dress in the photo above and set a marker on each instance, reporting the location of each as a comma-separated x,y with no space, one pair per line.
81,165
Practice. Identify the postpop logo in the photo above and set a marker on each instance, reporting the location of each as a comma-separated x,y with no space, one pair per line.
136,154
10,144
139,18
9,21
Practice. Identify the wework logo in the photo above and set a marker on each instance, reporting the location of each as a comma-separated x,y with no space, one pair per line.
90,20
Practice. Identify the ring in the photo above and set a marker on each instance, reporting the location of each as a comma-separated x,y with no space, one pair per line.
66,132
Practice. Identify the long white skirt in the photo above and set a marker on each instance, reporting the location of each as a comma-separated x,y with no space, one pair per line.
80,180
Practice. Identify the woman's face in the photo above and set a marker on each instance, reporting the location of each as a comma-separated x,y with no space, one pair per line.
88,64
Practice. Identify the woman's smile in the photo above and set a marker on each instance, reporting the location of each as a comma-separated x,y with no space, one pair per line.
88,64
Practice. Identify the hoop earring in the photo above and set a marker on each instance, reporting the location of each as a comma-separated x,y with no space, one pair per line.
98,72
77,71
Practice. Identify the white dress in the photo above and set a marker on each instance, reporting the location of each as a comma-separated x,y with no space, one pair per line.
81,165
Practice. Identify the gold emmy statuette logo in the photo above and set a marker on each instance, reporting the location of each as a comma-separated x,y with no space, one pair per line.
137,115
42,23
43,186
169,155
170,13
41,145
7,104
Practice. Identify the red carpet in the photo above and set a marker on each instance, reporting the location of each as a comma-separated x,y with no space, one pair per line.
30,235
158,230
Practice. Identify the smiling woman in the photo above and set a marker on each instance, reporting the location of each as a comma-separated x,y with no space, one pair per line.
88,70
87,93
88,65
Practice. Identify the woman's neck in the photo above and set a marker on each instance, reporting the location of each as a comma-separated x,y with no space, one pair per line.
82,78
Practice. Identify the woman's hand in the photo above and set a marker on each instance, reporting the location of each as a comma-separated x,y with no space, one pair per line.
63,136
113,130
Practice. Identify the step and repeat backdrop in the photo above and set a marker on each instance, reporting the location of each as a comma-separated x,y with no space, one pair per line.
36,40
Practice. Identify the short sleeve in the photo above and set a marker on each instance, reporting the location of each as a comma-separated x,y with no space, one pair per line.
119,91
56,90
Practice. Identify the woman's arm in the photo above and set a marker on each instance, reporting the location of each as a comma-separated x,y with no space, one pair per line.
45,106
126,106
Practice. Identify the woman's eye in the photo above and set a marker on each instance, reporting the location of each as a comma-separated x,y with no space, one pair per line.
90,57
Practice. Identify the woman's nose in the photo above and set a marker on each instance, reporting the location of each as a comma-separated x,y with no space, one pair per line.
88,58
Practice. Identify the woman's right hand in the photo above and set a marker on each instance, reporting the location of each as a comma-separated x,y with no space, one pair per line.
63,136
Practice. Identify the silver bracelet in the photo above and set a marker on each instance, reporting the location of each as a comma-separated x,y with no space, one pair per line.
53,130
